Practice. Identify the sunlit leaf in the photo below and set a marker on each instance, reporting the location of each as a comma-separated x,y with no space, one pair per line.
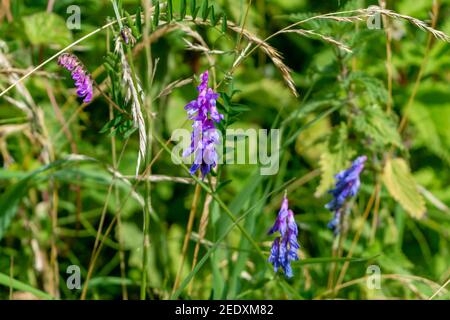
45,28
401,185
333,160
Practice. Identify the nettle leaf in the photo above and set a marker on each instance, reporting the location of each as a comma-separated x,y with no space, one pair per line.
47,28
376,91
329,163
426,132
312,142
335,159
378,126
400,183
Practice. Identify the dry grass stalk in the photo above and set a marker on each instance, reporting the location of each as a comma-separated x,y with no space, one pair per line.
195,35
418,23
29,107
310,33
5,11
162,178
271,52
195,47
25,71
345,19
154,36
135,94
363,14
173,85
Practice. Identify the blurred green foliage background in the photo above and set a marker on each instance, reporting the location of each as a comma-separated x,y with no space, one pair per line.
341,112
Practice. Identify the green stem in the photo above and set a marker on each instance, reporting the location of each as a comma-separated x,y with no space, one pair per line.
148,197
147,159
218,200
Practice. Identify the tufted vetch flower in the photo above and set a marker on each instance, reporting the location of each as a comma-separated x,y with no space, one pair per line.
204,136
284,248
82,78
347,186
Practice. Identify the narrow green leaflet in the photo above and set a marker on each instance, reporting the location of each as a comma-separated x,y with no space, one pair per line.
169,10
156,14
182,9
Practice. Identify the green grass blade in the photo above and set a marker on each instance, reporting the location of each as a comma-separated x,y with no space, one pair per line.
7,281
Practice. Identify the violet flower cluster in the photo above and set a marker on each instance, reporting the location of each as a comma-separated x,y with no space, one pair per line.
83,80
284,248
347,186
204,135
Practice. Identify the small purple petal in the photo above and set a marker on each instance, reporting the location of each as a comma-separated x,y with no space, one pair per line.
284,248
347,186
83,81
205,136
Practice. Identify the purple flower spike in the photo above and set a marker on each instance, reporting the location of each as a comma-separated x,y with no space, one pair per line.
334,223
280,223
274,257
82,78
284,248
204,135
347,186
